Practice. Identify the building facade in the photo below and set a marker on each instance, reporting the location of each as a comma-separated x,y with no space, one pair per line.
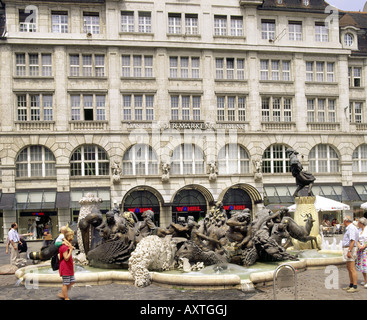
172,105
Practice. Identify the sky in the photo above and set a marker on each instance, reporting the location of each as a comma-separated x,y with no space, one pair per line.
348,5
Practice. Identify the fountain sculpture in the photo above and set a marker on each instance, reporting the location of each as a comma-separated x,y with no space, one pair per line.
220,238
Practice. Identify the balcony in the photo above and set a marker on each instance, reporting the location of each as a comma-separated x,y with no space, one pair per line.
278,126
323,126
88,125
35,125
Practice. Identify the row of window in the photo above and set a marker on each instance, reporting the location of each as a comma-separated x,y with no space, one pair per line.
141,66
178,24
141,107
141,159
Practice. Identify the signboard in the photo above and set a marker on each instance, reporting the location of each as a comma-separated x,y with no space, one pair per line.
38,213
139,210
188,209
234,207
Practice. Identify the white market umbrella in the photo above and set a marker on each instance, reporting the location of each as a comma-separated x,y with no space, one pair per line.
325,204
364,205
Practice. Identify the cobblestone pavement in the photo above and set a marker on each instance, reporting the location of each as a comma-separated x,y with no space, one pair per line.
313,284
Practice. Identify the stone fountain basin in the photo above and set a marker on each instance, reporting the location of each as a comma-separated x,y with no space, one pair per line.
42,274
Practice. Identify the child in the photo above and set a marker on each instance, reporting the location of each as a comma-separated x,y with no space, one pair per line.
66,266
61,238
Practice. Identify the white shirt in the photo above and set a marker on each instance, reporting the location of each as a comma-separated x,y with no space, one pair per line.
363,236
13,235
351,233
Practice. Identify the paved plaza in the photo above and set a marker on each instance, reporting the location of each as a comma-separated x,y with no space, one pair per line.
313,284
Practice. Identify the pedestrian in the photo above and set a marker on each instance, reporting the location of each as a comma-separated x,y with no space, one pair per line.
361,264
66,265
13,239
350,240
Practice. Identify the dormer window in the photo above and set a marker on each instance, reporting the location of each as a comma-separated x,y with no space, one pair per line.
306,3
348,39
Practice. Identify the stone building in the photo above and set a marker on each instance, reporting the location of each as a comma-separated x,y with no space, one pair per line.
175,105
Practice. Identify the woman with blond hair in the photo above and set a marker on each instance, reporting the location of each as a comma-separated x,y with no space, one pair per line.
361,263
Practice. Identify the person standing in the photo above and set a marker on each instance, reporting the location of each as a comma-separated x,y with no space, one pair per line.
350,240
13,239
66,265
361,264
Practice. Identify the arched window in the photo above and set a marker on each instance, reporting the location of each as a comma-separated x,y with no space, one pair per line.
35,161
140,159
323,159
89,160
233,159
275,159
360,159
187,159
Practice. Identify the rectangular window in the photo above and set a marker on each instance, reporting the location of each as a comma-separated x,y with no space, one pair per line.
126,105
174,107
295,30
91,22
321,110
276,109
220,25
101,107
220,108
20,64
59,22
138,107
186,108
33,64
321,32
275,70
75,107
22,107
34,107
137,66
87,65
230,68
149,107
191,24
236,26
145,22
127,21
354,76
231,108
268,29
28,21
174,23
184,67
355,112
47,107
46,61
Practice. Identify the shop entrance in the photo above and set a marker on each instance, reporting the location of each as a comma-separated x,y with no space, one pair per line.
188,202
139,201
37,223
236,199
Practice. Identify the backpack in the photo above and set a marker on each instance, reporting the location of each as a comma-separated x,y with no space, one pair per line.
55,262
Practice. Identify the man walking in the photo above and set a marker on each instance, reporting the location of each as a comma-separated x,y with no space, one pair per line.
13,238
350,240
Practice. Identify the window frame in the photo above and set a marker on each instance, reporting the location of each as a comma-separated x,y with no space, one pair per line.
46,160
97,152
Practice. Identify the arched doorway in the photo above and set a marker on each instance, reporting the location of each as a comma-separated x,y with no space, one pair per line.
189,202
240,197
140,200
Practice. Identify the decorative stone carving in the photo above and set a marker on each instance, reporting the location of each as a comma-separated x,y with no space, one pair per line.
116,172
213,171
88,203
165,171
